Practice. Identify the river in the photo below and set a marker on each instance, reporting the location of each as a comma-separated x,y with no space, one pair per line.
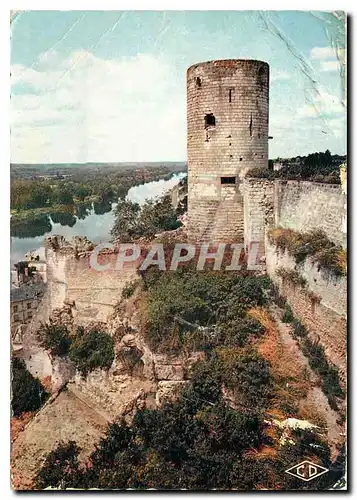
95,222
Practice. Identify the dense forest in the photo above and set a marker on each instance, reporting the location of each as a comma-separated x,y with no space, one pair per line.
66,198
81,185
316,167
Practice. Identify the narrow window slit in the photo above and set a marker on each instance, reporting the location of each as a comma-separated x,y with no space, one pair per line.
228,180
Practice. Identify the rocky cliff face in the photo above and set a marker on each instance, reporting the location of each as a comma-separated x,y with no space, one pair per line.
138,377
79,295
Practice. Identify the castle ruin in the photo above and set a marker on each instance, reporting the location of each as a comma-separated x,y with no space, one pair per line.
227,127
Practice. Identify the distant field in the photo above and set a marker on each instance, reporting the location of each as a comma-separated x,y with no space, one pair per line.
24,170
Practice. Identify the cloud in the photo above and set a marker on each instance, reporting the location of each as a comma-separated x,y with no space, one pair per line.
330,65
327,53
330,59
83,108
323,105
279,75
338,126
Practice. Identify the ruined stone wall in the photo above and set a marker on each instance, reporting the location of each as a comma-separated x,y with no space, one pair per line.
227,122
321,305
304,206
298,205
95,292
258,210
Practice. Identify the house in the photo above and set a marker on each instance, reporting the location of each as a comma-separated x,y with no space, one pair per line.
23,303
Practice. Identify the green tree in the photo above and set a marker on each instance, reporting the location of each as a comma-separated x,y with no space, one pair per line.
35,225
61,468
63,195
28,394
156,216
196,442
63,218
54,337
92,350
41,194
125,225
82,192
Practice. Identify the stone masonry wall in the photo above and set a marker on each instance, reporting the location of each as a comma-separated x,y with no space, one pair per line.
258,210
324,311
236,94
95,292
71,278
304,206
298,205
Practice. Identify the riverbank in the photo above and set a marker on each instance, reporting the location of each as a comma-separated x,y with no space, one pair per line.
82,188
95,220
24,215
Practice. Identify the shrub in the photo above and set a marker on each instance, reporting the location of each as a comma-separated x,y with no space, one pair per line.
196,442
129,289
329,374
125,224
284,239
275,297
156,216
292,276
288,316
209,303
331,383
299,329
60,467
248,375
92,350
232,333
55,338
316,167
133,221
317,359
314,244
251,473
237,333
28,394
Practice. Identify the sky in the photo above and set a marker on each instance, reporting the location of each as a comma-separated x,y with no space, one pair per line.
109,86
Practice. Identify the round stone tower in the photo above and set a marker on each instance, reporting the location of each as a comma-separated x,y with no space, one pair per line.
227,135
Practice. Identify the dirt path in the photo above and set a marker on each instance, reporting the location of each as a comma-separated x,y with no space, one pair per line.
315,399
66,418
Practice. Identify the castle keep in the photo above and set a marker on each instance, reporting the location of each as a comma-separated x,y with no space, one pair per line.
227,127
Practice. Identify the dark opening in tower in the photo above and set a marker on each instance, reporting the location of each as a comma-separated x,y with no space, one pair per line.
210,120
228,180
